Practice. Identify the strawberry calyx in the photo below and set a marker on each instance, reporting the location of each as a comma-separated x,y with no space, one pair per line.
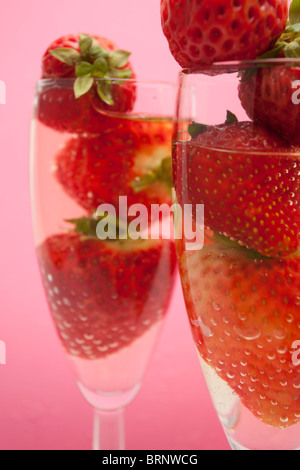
231,243
288,45
161,174
196,128
93,62
88,227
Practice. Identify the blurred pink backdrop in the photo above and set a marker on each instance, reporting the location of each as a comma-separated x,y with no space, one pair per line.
40,405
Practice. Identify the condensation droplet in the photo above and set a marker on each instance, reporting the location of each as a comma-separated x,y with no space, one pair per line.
289,318
243,316
230,375
216,306
249,334
280,333
284,419
282,349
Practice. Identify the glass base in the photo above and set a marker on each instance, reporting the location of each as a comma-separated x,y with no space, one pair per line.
235,446
104,401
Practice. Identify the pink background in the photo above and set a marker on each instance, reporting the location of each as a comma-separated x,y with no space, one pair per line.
40,405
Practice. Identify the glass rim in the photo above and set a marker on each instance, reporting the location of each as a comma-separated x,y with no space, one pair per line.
236,65
69,81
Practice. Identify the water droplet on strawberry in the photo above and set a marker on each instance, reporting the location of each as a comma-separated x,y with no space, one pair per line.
281,350
230,375
247,333
216,306
284,419
280,333
243,316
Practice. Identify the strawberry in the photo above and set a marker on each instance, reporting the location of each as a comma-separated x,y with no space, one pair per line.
244,315
270,93
97,170
85,79
221,30
104,295
247,177
267,97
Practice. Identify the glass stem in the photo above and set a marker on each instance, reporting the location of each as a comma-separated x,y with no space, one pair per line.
109,430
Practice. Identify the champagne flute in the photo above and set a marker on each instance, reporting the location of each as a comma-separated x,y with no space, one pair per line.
236,156
108,283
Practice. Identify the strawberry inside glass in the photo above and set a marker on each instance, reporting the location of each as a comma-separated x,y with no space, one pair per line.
242,287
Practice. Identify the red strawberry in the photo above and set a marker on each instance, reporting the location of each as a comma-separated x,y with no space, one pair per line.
81,89
97,170
270,94
221,30
244,314
249,187
104,295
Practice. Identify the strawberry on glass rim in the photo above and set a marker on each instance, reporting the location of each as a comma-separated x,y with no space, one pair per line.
271,95
85,75
221,30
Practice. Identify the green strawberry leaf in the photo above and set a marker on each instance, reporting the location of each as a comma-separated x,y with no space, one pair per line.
83,68
100,67
85,45
104,92
98,51
292,50
161,174
196,128
87,226
118,58
66,55
249,253
82,85
230,118
293,28
294,14
120,73
84,225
